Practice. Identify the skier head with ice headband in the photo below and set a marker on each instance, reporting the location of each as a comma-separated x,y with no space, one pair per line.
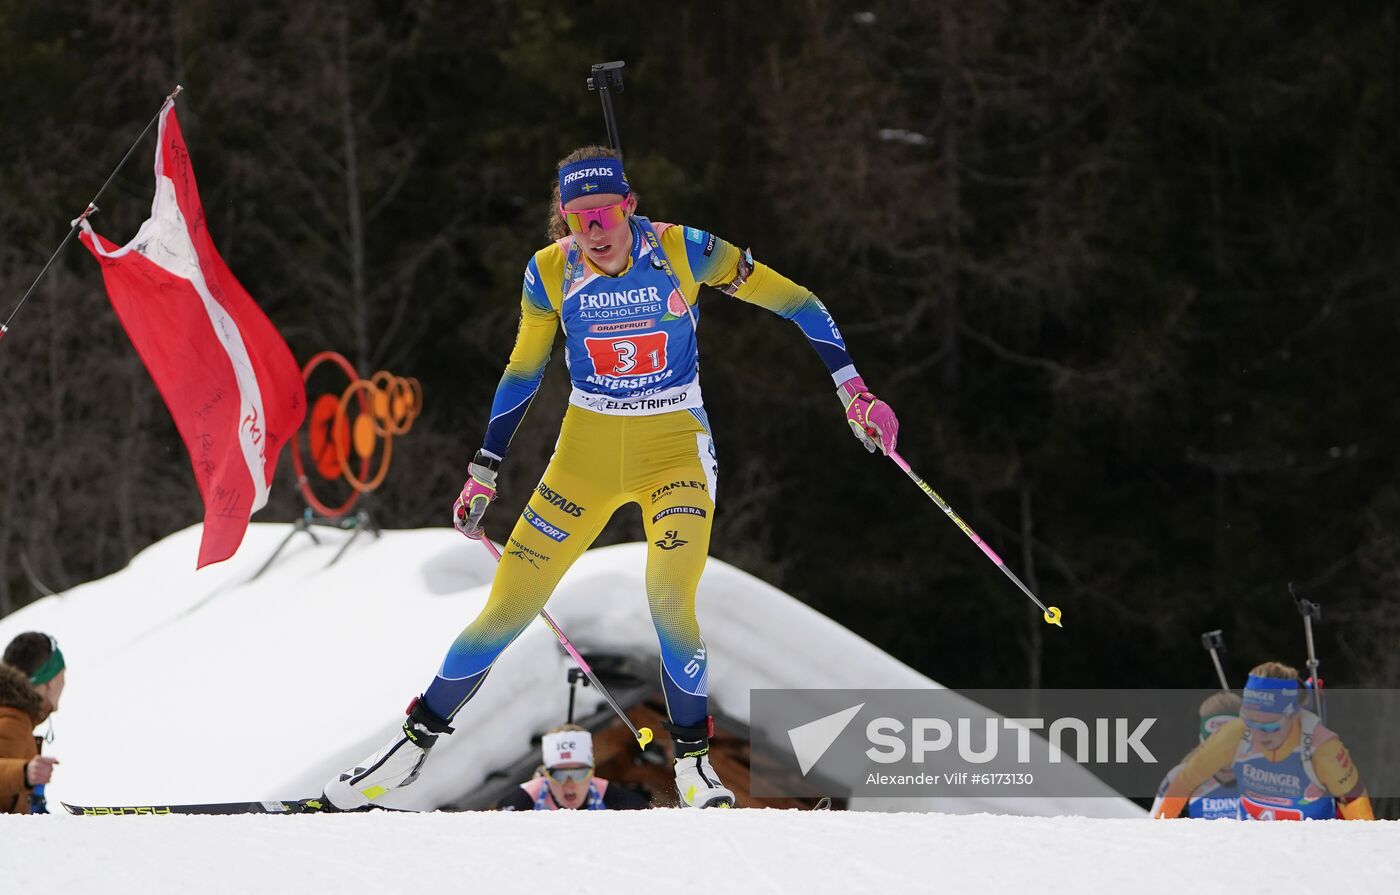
568,764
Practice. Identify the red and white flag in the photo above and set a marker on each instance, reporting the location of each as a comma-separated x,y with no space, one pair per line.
227,376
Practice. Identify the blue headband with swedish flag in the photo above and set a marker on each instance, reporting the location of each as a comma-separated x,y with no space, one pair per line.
590,176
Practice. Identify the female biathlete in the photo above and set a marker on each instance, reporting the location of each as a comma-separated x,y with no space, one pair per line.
1219,796
625,292
1288,766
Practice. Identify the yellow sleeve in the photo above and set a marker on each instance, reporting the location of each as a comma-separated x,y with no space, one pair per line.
693,268
534,340
701,257
540,300
1214,755
769,289
1336,771
1358,809
765,287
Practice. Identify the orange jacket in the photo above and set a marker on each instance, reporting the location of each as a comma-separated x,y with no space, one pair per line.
21,710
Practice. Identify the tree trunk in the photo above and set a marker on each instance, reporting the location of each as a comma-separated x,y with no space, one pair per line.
1035,647
354,215
951,204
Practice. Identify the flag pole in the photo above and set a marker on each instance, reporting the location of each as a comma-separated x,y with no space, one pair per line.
91,207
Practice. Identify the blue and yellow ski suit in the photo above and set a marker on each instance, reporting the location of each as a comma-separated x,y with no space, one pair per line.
635,432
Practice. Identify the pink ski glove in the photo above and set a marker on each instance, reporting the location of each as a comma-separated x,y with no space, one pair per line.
871,419
476,496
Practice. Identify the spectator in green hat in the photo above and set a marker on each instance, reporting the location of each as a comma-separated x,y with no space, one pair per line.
32,678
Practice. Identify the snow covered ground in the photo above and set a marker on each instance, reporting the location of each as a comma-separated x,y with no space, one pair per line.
188,686
667,852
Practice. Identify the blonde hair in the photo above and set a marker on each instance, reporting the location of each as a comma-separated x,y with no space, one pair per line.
1221,704
556,227
1276,670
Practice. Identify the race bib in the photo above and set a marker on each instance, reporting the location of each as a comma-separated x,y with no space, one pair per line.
638,355
1260,811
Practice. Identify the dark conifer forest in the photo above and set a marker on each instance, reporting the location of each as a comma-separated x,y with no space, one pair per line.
1127,271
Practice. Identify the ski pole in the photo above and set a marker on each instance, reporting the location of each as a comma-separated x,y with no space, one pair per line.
644,735
1052,613
1214,642
602,77
91,207
574,675
1309,611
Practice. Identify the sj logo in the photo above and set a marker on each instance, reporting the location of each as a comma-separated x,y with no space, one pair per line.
671,541
633,356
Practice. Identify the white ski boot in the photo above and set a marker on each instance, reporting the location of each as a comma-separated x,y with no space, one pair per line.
696,781
394,766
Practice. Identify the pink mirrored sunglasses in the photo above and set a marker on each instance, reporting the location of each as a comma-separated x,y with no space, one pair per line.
606,216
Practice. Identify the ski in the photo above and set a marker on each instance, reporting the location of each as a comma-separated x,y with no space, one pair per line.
297,806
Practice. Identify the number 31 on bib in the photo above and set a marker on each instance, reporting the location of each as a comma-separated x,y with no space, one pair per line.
631,356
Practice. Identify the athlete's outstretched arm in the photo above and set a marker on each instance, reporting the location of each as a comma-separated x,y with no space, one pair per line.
1162,790
718,263
539,322
1214,755
533,340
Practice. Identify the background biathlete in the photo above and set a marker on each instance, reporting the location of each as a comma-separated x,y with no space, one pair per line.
1218,798
566,780
624,291
1288,766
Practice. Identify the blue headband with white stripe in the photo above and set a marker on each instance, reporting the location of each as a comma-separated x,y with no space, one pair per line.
1271,694
590,176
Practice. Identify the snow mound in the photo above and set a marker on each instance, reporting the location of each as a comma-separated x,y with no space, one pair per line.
214,685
